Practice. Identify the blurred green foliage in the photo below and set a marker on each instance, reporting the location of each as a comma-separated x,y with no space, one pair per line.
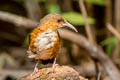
26,41
110,43
53,8
76,18
73,17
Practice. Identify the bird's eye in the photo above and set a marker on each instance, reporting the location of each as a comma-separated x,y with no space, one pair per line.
59,20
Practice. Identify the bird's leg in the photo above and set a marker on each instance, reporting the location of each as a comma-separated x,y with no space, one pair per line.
36,66
54,64
53,67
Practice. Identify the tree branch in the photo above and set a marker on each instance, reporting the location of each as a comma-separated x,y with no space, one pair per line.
95,51
17,20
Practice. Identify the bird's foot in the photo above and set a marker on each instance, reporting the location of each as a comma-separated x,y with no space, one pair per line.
52,69
36,68
35,71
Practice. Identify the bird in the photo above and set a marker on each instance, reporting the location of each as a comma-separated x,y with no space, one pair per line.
44,40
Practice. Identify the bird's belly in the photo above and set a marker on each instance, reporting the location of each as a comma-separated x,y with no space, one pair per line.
47,46
49,53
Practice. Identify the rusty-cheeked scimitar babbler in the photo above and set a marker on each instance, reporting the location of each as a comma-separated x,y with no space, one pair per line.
44,40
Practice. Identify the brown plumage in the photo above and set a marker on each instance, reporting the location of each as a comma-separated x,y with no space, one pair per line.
44,41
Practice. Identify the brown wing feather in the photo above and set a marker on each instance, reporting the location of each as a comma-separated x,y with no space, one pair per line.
33,36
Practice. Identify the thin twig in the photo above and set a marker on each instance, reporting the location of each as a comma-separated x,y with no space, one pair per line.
99,76
108,14
87,26
113,30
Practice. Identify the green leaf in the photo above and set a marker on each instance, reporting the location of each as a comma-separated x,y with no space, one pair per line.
53,8
26,41
110,49
110,43
42,65
76,18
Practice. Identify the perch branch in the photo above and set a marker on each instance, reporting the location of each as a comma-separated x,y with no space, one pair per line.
94,50
60,73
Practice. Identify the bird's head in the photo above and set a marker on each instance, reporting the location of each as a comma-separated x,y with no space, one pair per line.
54,21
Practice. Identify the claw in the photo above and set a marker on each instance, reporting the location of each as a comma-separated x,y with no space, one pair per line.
36,68
53,67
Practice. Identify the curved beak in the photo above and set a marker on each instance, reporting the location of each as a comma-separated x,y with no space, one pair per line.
67,24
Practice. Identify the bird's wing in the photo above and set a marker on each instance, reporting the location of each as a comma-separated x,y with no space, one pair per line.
32,38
